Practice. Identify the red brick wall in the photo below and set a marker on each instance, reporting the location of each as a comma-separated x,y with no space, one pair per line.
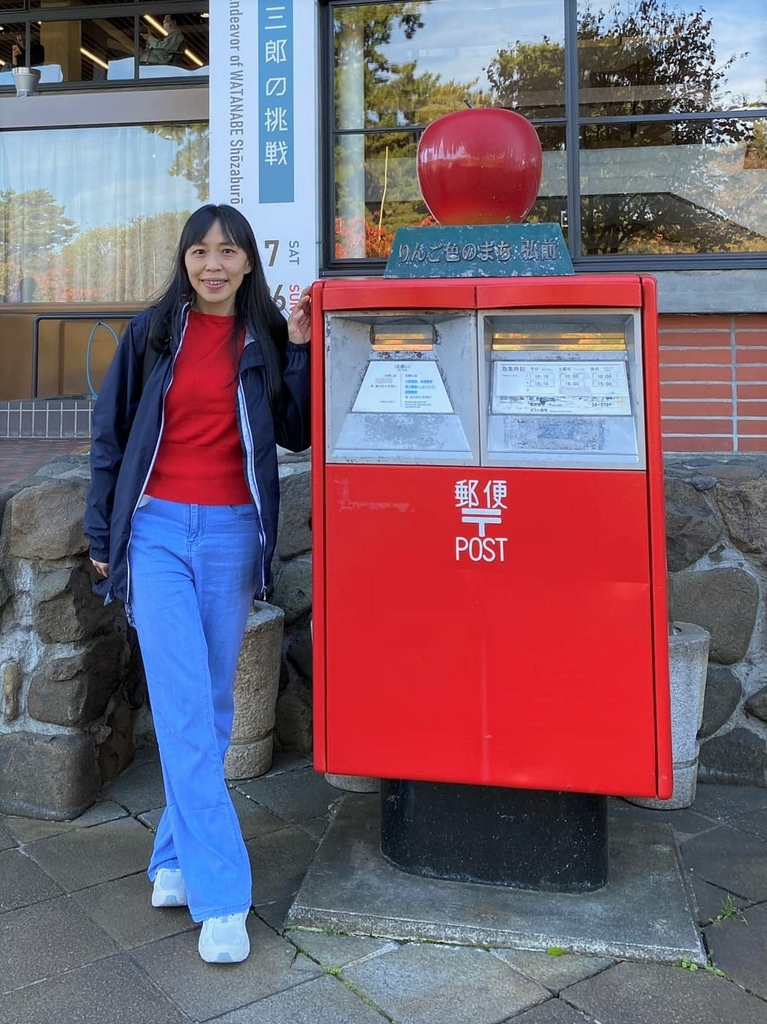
713,373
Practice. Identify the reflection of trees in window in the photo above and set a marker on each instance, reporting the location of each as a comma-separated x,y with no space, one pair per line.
756,151
119,263
374,99
647,58
530,78
32,228
660,223
363,31
652,59
44,257
192,157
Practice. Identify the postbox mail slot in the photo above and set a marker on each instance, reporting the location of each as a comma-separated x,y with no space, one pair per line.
561,389
402,388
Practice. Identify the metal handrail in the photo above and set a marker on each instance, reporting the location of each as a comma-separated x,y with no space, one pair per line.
98,317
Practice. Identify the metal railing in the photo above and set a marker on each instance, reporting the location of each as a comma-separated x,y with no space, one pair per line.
100,319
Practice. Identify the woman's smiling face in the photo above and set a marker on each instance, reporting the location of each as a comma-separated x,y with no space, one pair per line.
216,269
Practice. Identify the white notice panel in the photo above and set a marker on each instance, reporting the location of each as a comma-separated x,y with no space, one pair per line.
561,388
411,386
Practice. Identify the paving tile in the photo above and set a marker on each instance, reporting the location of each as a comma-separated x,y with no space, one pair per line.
735,861
254,819
685,822
659,993
287,761
315,827
208,990
151,818
27,830
555,972
275,913
139,788
47,939
738,946
431,984
7,842
711,900
295,796
339,950
324,1001
279,861
90,856
124,910
724,803
113,991
752,821
22,882
554,1011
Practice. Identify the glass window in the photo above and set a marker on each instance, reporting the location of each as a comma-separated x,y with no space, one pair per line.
695,184
113,48
674,187
670,120
398,66
69,233
640,57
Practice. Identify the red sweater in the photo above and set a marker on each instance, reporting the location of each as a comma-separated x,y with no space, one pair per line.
200,460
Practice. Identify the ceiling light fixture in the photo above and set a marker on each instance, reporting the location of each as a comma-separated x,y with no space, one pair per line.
94,58
155,24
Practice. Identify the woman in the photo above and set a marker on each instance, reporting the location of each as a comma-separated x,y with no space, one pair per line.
182,521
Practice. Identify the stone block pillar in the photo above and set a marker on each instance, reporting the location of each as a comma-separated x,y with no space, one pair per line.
255,694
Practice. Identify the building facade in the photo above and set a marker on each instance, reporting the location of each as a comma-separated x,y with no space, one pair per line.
307,113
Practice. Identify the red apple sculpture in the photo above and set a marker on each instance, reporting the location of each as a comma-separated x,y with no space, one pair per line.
481,165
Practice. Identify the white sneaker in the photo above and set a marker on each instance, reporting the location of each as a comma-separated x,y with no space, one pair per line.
169,889
224,940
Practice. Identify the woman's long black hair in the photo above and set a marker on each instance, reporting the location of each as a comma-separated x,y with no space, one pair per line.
254,311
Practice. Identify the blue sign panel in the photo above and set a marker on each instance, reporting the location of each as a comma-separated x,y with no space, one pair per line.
479,250
276,158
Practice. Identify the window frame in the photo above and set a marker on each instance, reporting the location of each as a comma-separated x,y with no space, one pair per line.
118,9
573,122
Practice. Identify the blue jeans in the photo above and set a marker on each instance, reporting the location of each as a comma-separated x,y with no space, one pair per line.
193,573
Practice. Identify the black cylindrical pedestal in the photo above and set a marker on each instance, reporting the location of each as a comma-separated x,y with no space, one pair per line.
525,839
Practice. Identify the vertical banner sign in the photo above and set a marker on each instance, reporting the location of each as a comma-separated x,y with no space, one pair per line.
276,179
263,142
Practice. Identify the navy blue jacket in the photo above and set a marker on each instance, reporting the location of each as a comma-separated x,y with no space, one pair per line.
127,427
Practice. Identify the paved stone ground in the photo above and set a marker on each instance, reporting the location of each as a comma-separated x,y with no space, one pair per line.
80,942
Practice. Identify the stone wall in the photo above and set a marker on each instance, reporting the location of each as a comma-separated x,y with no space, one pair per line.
716,526
64,658
73,695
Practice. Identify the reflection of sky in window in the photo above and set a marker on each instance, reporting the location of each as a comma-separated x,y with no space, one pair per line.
461,37
101,176
737,26
454,40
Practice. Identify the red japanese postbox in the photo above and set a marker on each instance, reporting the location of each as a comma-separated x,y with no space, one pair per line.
489,561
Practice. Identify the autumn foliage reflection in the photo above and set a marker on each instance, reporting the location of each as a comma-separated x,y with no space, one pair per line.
351,231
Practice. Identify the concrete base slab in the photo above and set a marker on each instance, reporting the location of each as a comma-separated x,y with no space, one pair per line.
645,912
